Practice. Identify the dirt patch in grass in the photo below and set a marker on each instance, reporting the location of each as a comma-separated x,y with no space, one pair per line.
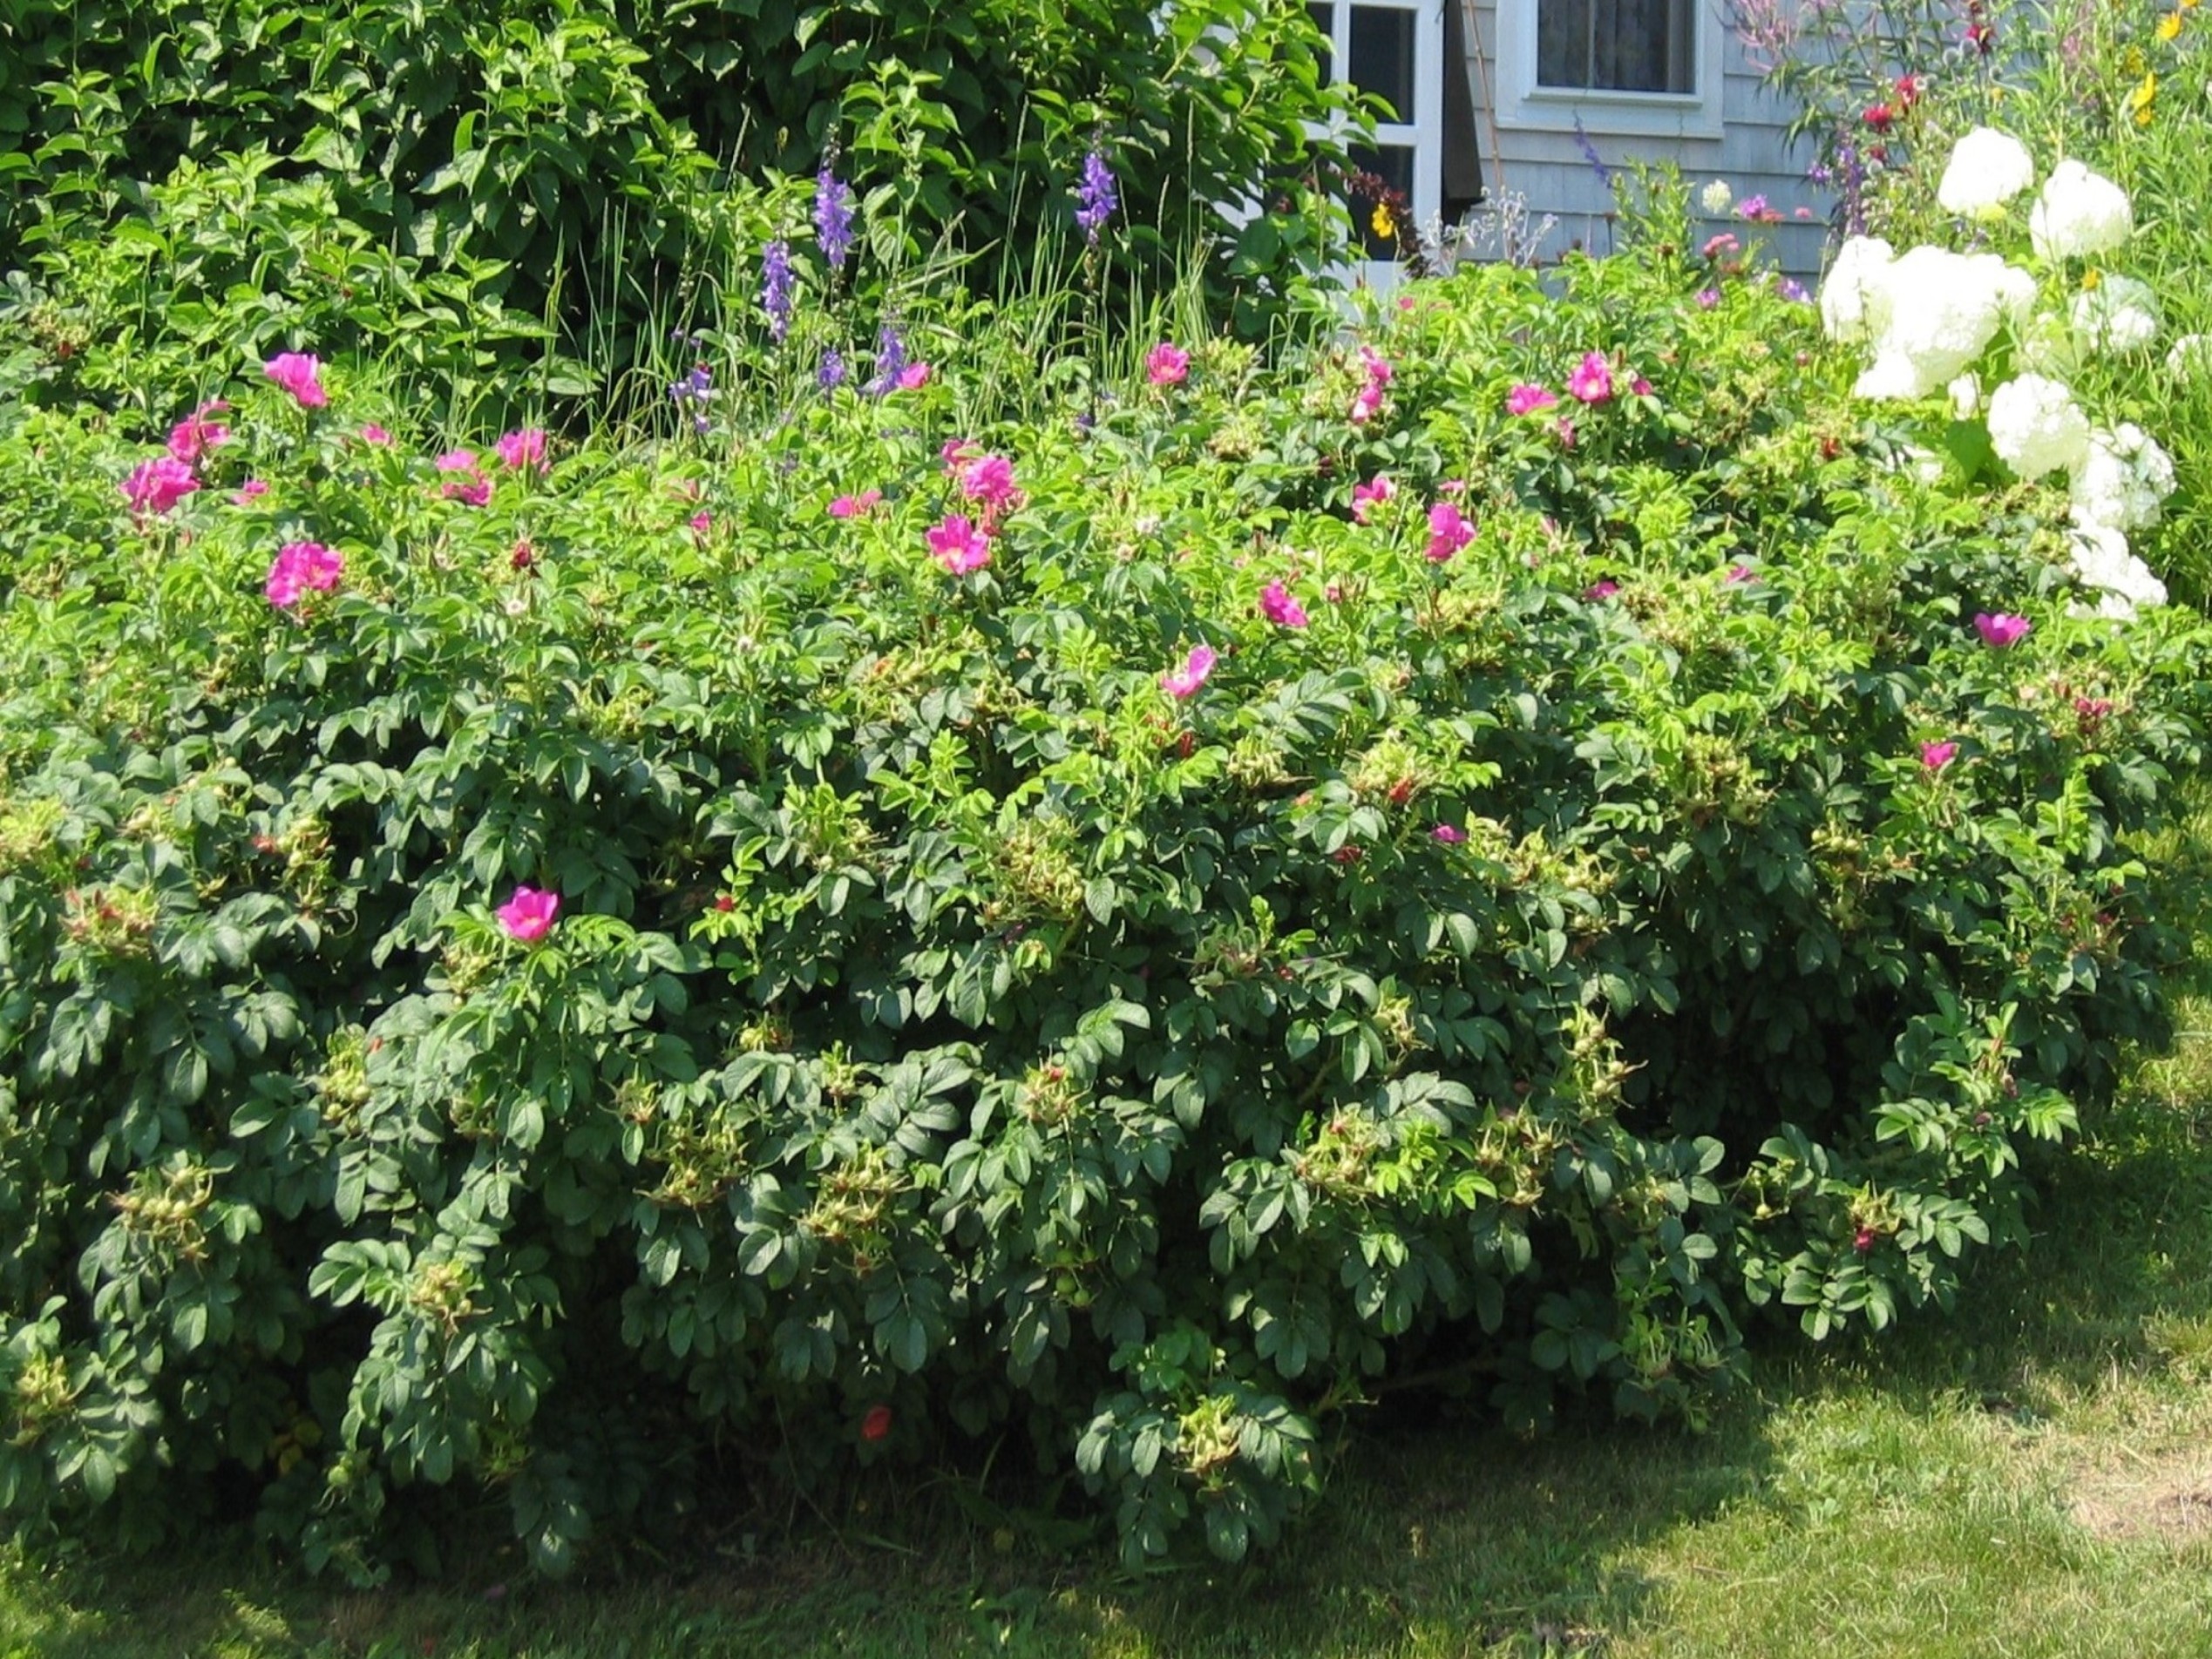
2166,1496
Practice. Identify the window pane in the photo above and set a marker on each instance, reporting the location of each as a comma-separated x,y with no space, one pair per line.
1382,56
1325,20
1391,165
1617,45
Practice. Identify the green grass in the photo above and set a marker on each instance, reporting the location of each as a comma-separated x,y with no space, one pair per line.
2033,1477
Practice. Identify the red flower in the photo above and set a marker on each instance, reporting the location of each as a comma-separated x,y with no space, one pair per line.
1908,91
875,1425
1878,116
1864,1240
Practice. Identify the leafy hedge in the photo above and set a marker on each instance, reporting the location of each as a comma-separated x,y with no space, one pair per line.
568,157
1247,938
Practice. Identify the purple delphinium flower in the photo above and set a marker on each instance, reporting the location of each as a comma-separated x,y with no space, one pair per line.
890,363
830,376
1095,196
832,217
775,287
1792,290
692,393
1590,154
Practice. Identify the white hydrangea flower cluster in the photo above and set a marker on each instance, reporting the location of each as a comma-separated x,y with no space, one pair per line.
1987,169
1928,313
2119,314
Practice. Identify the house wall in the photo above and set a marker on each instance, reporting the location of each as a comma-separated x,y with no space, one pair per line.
1550,170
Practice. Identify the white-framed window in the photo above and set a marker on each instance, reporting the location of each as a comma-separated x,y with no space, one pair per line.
1395,50
1633,67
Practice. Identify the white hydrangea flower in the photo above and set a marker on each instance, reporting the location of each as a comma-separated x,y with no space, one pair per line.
2101,557
2049,346
1931,313
1965,397
2079,213
2119,314
1716,198
1859,263
2191,355
2036,427
1987,169
2123,480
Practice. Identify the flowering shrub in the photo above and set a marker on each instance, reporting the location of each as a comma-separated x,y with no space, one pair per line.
833,938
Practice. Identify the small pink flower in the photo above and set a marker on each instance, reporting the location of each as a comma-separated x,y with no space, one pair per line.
1278,607
1365,498
2001,630
1334,593
197,433
958,545
301,567
956,452
1641,387
1380,372
524,448
1452,487
1526,399
1604,589
1592,381
1707,298
372,433
1179,683
249,493
1167,364
1448,531
157,486
703,522
469,484
300,375
989,479
913,377
855,506
1935,756
1564,430
1450,833
529,915
1717,245
1739,572
1366,403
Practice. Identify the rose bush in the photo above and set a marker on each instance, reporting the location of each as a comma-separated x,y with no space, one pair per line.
1519,843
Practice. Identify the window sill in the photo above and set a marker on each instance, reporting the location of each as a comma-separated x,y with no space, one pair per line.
1607,114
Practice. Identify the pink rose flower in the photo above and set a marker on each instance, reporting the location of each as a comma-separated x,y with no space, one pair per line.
302,567
197,433
703,522
1365,498
1935,756
1167,364
372,433
1450,833
529,915
2002,630
1526,399
913,377
958,545
1448,531
1739,572
1278,607
989,479
300,375
249,493
855,506
1592,381
469,484
157,486
524,448
1182,682
1604,589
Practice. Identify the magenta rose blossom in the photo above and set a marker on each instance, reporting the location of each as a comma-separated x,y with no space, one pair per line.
1179,683
469,482
1526,399
1450,833
1167,364
1935,756
372,433
1448,531
855,506
1604,589
960,545
302,567
989,479
157,486
1365,498
249,493
1592,381
524,448
2001,630
1278,607
300,375
529,915
199,432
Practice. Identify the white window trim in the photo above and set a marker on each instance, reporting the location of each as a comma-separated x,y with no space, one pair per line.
1524,106
1424,135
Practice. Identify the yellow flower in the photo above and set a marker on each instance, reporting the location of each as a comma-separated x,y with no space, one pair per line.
1385,222
2131,62
2169,26
2091,277
2140,100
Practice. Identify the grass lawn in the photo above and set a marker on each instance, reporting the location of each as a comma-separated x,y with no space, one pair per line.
2033,1477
